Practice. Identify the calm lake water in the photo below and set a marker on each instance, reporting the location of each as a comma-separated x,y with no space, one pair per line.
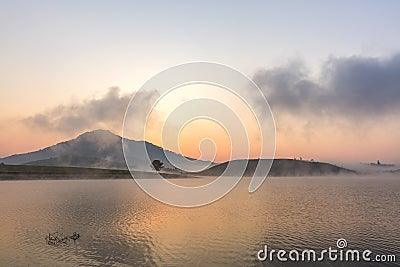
122,226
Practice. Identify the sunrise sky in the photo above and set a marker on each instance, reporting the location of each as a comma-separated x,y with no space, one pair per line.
331,71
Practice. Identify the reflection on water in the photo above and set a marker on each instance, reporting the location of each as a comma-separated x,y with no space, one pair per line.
122,226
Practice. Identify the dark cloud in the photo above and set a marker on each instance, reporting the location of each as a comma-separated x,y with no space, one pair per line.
352,87
106,112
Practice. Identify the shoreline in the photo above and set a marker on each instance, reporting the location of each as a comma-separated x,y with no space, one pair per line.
28,173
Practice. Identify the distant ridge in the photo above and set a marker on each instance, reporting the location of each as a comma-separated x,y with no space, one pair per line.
281,167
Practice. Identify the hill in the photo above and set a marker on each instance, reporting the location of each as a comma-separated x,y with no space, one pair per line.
99,149
280,167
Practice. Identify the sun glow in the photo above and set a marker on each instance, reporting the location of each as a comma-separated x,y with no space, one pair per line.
204,137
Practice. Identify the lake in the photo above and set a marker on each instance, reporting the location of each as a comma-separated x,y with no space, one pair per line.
121,226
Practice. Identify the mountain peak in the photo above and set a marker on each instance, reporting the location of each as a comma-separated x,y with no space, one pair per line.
98,136
99,132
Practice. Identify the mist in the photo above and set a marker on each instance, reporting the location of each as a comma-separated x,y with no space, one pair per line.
106,112
348,112
352,87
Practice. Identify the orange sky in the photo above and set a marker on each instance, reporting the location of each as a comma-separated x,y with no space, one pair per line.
309,137
209,138
327,143
331,139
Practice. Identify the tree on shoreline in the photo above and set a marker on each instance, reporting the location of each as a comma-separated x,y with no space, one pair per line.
157,165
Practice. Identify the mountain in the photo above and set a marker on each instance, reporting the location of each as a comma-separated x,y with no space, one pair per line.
280,167
103,149
99,149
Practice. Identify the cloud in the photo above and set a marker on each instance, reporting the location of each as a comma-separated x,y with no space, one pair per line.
351,87
106,112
